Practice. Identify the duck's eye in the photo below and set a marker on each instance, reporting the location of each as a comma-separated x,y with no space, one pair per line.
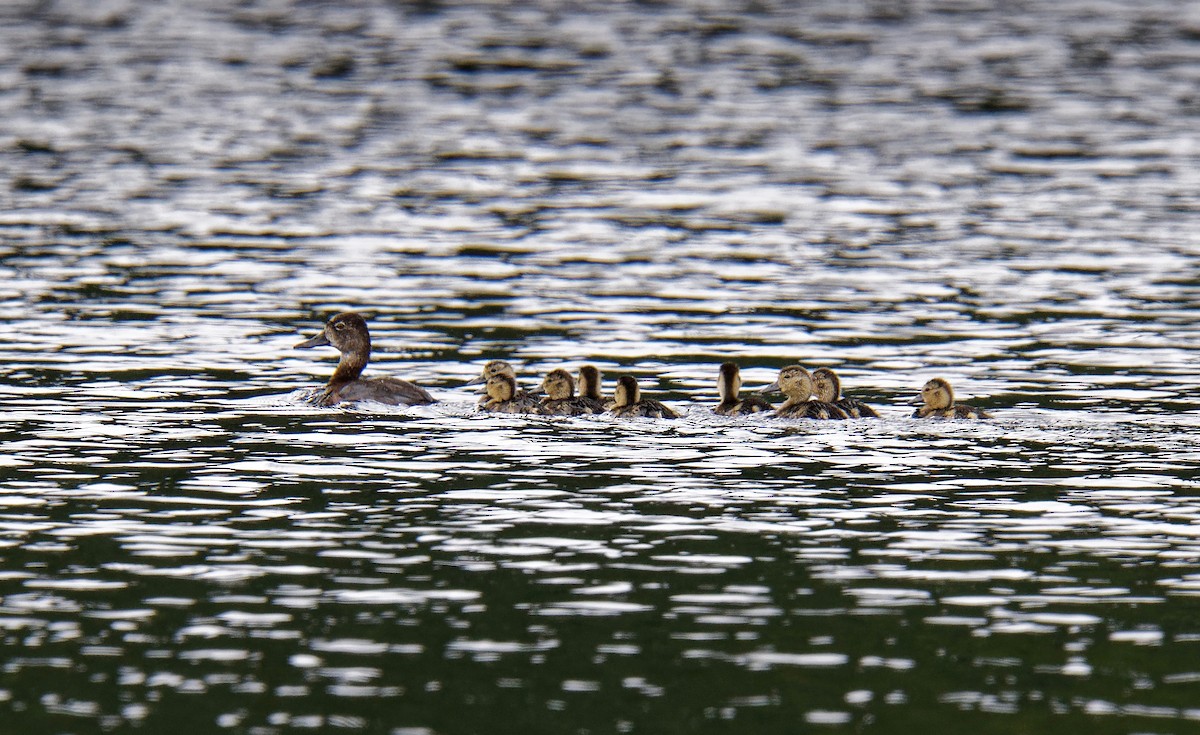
339,326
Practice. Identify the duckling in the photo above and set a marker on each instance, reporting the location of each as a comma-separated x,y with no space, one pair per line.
349,334
503,396
560,400
492,367
628,401
828,388
796,384
589,389
729,383
937,402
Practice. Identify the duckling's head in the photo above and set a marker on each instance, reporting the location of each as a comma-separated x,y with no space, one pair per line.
827,386
794,382
627,392
558,385
729,382
346,331
490,369
589,381
937,394
501,387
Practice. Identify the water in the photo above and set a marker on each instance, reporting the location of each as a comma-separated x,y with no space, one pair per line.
1005,198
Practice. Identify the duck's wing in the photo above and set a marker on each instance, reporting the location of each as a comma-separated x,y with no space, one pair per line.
856,409
970,412
392,391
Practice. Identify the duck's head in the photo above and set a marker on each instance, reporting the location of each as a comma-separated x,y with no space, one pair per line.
729,382
794,382
936,394
491,369
558,385
589,381
346,331
501,387
627,392
826,385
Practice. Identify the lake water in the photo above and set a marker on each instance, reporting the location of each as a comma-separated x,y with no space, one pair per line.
1003,197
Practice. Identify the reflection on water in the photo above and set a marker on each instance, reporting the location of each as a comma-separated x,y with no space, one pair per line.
895,190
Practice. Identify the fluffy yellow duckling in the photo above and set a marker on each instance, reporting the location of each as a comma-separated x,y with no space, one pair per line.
827,387
937,402
503,396
628,401
589,389
349,334
729,384
560,399
796,385
490,369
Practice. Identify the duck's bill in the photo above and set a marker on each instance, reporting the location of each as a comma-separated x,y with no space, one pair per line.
474,381
317,341
918,401
769,388
538,391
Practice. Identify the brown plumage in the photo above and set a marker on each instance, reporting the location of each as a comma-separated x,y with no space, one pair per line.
628,401
827,387
503,396
796,385
560,398
937,402
349,334
729,384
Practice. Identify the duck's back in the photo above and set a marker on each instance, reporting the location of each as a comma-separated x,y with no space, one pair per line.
753,404
813,410
646,408
575,406
957,411
522,402
856,409
392,391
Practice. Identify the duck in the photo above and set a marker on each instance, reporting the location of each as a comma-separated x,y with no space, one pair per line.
937,402
503,396
729,384
796,384
491,368
827,387
560,399
628,401
348,332
589,389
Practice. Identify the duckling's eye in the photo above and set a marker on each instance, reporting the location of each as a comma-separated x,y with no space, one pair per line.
339,326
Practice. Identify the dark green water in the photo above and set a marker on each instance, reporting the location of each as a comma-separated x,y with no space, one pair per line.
1003,197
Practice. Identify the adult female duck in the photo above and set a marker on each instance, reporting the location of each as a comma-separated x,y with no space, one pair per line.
349,334
827,387
937,402
729,384
796,385
628,401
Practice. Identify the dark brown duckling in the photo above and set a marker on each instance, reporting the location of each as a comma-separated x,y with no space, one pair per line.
349,334
937,402
560,399
827,387
628,401
729,384
589,389
503,396
796,385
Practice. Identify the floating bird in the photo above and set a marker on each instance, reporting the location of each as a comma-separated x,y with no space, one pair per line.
628,401
937,402
796,385
827,387
349,334
729,384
